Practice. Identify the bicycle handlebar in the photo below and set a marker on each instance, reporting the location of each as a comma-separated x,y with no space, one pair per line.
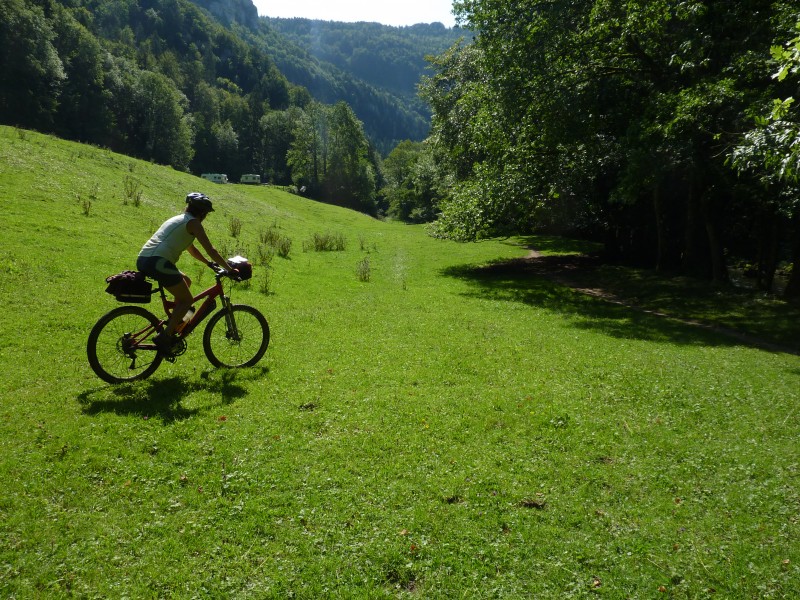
223,272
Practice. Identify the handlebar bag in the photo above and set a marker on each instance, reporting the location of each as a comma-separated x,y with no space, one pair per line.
241,264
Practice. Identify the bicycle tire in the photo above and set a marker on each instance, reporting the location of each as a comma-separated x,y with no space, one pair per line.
222,351
110,361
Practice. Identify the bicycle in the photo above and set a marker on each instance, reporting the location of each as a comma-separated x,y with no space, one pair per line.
120,347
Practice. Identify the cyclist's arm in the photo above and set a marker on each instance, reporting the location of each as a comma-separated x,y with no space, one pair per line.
196,254
195,227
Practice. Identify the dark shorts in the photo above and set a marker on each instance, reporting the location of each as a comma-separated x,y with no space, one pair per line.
160,269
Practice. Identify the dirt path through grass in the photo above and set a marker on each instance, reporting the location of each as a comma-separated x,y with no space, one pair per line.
580,273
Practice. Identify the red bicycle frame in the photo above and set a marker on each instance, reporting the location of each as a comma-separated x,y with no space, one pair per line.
137,339
210,295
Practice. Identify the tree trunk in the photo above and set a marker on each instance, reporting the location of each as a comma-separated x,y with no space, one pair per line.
792,291
694,256
661,228
711,211
719,270
768,254
669,200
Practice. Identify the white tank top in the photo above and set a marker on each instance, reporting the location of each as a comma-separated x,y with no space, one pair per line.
171,239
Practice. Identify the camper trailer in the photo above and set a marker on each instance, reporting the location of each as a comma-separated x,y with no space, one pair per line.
250,178
215,177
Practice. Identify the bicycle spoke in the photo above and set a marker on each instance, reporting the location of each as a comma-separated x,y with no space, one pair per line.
114,349
236,340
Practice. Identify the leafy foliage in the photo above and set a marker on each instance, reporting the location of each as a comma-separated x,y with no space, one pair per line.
329,157
413,183
32,72
773,148
615,120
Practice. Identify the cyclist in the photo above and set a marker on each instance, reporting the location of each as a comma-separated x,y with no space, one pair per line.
159,255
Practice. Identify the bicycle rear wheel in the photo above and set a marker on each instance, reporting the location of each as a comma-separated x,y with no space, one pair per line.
240,346
114,350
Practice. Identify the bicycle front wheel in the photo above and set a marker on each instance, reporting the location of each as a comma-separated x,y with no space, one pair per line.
240,341
114,347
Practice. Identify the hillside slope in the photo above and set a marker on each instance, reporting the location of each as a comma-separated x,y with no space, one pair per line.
374,68
442,430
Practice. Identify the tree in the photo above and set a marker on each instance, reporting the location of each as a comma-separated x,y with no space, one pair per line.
82,108
412,182
349,178
307,153
466,127
226,145
150,115
773,147
275,130
329,157
235,134
771,151
167,130
31,72
599,116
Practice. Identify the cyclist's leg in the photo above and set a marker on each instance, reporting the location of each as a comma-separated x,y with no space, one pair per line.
183,300
175,282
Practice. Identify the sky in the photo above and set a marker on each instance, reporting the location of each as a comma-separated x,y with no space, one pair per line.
388,12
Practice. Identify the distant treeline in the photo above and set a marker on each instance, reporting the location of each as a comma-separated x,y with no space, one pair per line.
668,130
165,81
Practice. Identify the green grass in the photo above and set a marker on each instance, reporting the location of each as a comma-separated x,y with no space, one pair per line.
439,431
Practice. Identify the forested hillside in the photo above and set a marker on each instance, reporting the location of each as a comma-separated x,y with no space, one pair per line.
160,80
374,68
168,81
392,58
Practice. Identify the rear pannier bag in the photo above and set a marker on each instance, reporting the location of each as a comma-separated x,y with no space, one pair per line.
241,264
130,286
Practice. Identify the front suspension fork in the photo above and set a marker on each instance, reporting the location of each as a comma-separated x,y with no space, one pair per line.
231,332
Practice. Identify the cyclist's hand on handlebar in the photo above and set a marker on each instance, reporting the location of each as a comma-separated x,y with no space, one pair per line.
231,274
223,272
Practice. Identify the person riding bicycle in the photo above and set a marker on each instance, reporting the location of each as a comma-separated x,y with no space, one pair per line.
159,255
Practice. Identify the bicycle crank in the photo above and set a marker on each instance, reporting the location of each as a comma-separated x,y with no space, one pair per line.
178,348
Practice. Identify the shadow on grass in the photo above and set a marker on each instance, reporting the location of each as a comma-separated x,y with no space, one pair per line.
162,398
549,282
555,245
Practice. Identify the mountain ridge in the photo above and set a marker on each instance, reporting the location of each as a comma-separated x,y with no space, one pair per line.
373,67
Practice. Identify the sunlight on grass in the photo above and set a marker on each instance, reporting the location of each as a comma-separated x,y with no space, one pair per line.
459,426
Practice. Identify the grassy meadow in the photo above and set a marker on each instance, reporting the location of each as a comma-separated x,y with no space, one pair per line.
421,426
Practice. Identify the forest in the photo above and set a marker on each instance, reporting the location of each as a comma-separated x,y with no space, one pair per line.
374,68
666,130
167,81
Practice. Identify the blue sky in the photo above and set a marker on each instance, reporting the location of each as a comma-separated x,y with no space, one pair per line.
388,12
